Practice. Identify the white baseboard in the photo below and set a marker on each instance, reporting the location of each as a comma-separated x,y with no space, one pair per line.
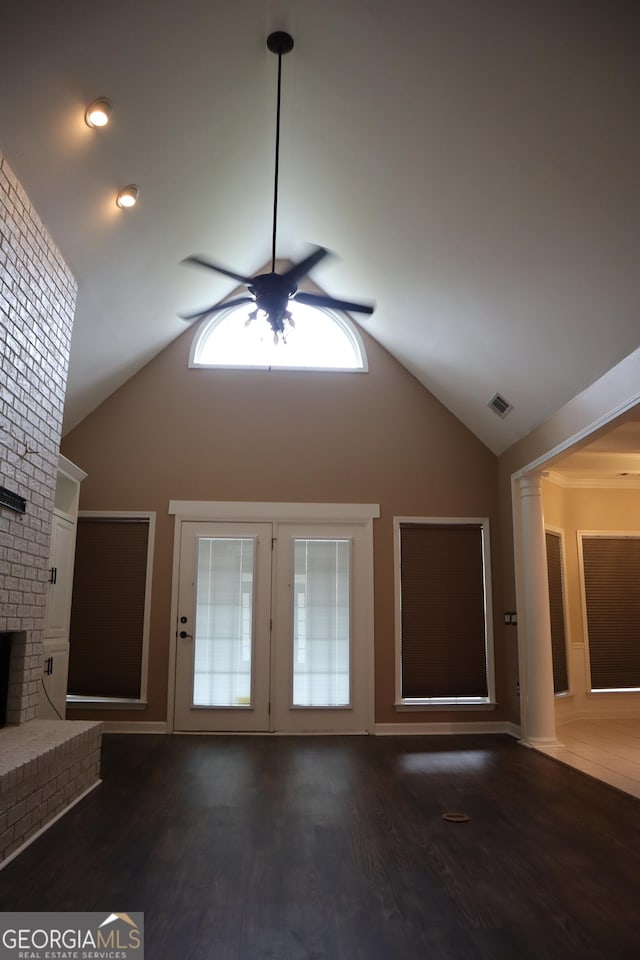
380,729
130,726
513,729
438,729
49,823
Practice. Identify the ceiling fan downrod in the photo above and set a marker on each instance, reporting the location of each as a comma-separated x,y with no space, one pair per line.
278,43
272,293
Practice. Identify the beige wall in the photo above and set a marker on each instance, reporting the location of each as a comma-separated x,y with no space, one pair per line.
175,433
572,510
575,509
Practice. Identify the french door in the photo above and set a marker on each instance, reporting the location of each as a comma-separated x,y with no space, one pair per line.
272,628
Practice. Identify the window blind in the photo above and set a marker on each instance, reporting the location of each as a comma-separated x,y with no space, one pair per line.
107,611
556,610
611,581
223,636
442,604
321,623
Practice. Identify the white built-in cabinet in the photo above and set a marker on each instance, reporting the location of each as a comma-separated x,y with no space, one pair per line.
55,653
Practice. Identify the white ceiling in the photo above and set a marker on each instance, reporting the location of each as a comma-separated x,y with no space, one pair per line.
612,459
474,164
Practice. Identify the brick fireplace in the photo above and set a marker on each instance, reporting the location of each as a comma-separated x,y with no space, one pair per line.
37,303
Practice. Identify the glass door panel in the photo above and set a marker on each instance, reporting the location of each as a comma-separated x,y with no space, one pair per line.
321,623
223,635
223,638
321,670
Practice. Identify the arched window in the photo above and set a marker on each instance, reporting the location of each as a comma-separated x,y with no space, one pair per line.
319,340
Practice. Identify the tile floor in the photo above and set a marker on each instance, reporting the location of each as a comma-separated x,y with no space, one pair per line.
608,750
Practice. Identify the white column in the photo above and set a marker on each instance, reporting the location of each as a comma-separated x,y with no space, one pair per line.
539,719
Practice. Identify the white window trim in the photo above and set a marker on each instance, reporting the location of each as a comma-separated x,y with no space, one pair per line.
241,511
123,703
445,703
339,317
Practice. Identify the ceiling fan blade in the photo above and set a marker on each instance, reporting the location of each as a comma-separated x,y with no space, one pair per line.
208,311
320,300
301,269
203,262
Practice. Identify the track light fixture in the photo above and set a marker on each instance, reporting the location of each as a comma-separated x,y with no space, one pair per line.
128,196
98,113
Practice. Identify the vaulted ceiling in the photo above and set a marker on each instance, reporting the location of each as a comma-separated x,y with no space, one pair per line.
473,164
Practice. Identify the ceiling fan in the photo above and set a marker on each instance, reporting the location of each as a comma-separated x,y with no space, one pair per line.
272,293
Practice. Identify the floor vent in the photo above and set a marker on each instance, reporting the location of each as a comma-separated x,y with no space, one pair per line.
500,406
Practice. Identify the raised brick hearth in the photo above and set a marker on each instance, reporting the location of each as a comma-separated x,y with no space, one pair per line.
45,766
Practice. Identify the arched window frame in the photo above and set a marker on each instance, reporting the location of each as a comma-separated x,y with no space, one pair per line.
342,320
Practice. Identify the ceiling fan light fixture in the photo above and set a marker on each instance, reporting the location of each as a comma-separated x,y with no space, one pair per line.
272,292
128,196
98,113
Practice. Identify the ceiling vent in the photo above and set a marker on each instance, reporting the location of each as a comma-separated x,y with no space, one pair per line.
500,406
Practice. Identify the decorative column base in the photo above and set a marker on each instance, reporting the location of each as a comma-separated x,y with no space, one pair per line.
534,743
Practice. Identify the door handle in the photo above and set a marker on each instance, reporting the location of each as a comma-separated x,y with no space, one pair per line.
183,635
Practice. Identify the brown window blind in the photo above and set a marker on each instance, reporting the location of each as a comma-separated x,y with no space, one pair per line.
556,609
612,595
442,604
107,610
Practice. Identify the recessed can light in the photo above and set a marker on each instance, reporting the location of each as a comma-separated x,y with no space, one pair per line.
98,113
128,196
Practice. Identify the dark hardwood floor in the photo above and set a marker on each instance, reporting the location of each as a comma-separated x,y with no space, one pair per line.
311,848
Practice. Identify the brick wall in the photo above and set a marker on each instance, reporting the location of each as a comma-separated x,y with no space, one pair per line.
37,303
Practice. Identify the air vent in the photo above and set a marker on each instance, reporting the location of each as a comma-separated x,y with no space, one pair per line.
500,406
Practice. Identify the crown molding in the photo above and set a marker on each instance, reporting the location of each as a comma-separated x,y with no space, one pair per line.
595,483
